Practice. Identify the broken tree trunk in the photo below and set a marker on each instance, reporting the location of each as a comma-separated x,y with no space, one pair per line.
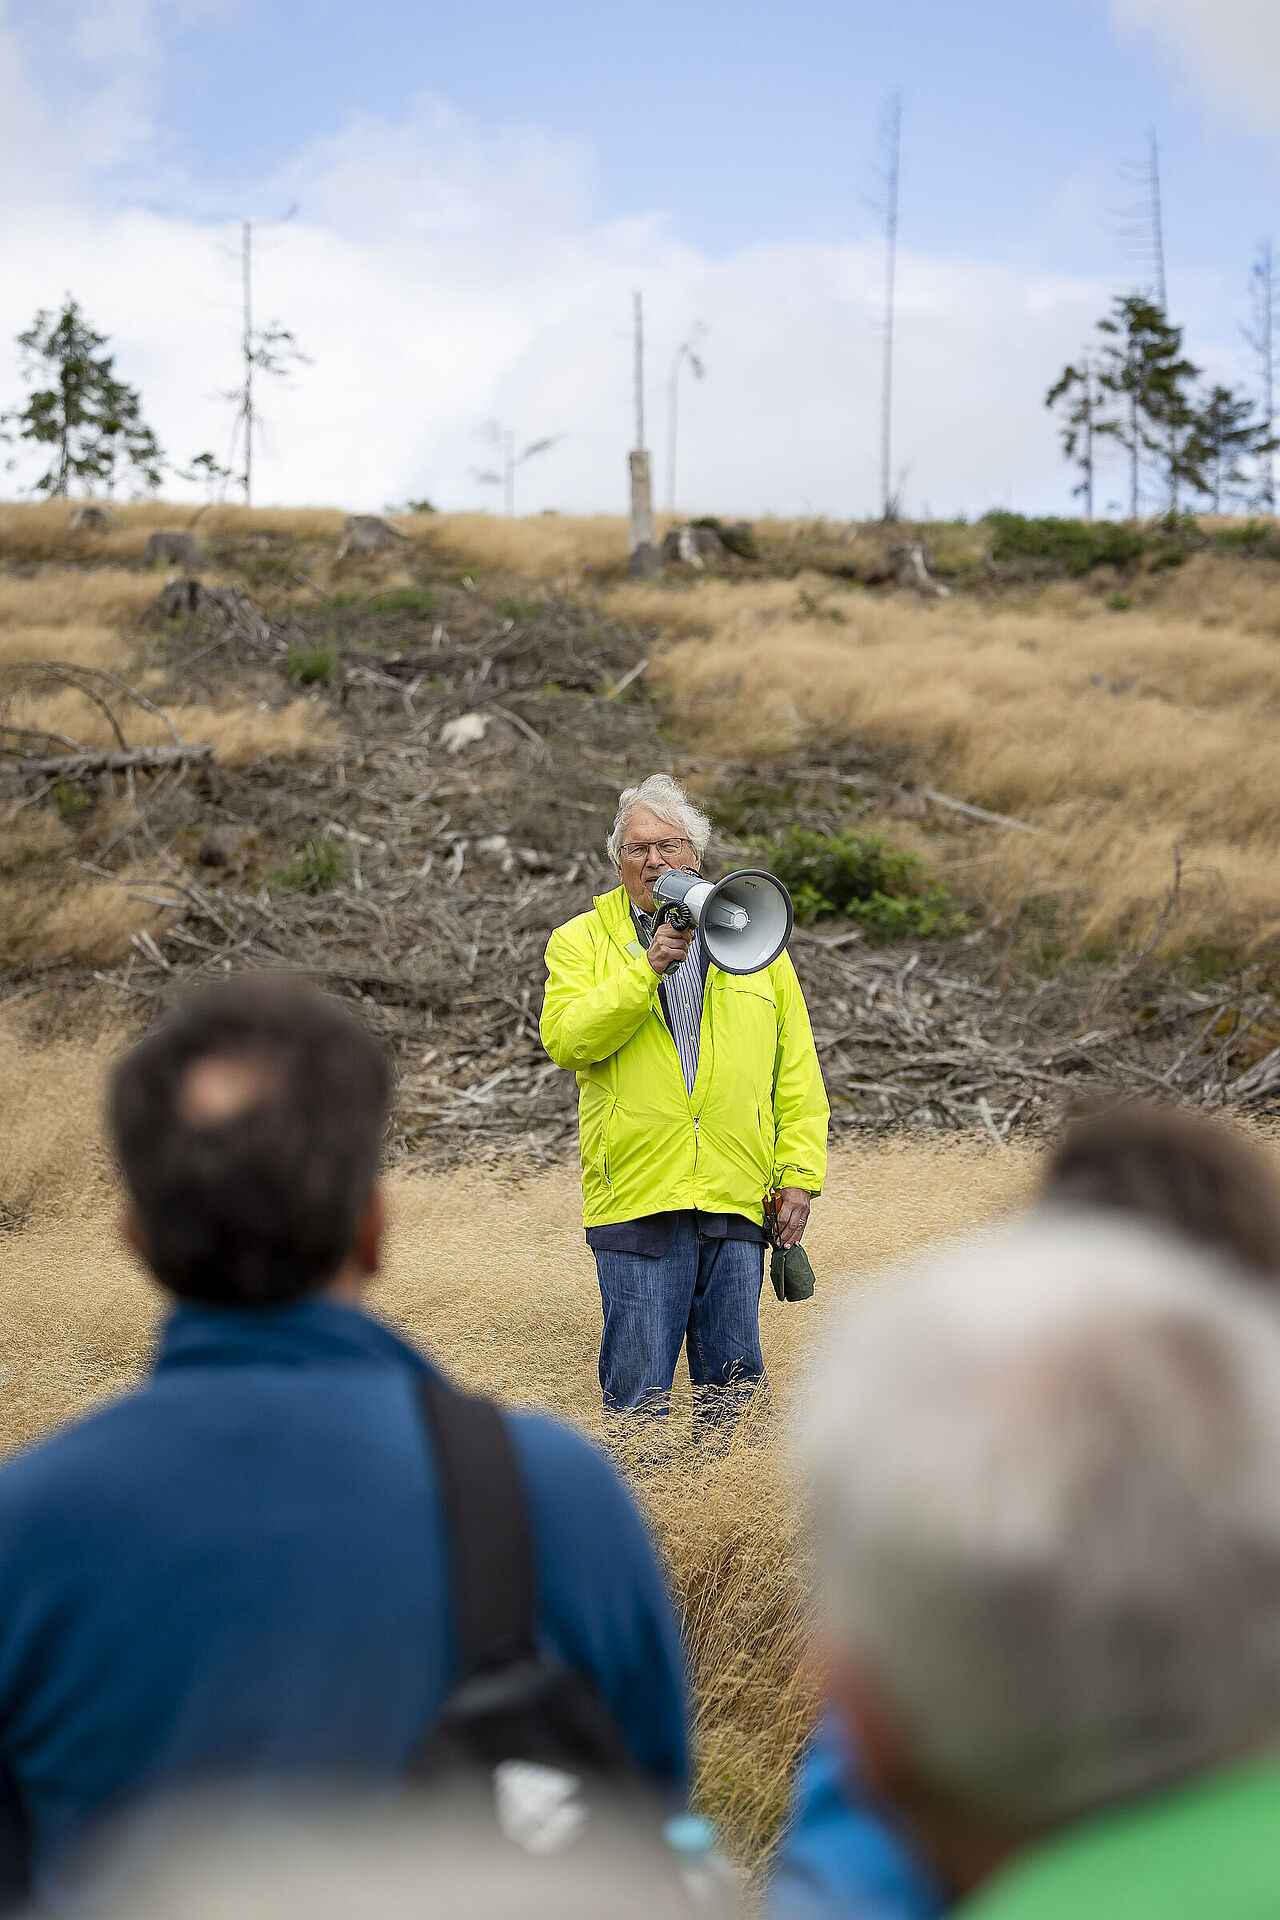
644,561
71,766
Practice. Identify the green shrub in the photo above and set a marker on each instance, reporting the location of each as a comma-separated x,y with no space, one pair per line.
1255,537
315,868
890,893
403,600
260,567
70,801
1184,525
1254,533
1064,546
736,539
391,600
810,606
312,665
1119,602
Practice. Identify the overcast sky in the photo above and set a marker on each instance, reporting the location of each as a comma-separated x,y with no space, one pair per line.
479,188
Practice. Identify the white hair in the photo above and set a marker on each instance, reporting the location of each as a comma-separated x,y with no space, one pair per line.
1043,1484
668,799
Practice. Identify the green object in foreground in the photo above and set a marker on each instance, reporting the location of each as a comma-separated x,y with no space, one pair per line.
1202,1851
791,1274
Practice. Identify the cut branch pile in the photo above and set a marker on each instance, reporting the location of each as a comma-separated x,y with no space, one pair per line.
915,1043
420,869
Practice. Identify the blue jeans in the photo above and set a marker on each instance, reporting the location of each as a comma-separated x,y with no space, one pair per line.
704,1293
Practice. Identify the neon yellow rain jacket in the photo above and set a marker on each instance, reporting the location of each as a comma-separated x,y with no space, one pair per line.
757,1118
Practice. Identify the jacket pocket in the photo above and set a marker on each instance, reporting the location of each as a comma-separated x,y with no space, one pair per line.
595,1121
768,1133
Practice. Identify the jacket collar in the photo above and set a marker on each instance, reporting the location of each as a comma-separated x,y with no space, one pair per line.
614,909
308,1332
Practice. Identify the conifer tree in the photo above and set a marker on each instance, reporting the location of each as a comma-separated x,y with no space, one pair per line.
1075,393
90,422
1230,433
1149,383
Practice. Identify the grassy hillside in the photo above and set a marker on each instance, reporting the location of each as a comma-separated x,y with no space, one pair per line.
1126,710
1129,736
1116,702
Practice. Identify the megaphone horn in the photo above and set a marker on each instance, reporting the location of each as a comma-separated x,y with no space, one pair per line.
745,919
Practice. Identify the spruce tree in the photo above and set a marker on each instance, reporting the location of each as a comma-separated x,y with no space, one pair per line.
1229,433
1149,385
90,421
1075,393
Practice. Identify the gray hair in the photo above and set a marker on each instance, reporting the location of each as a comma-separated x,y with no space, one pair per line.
1043,1480
668,799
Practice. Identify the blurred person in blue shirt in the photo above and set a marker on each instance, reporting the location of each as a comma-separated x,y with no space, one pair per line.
240,1571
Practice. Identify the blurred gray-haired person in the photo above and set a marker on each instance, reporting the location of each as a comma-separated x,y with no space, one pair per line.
1043,1480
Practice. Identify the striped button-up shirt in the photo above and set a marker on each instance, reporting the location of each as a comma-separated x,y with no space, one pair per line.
681,1000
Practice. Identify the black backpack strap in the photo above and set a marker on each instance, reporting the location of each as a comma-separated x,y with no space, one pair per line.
487,1525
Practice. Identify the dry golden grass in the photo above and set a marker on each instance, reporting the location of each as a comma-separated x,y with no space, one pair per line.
51,911
59,596
67,614
79,643
1125,736
34,530
520,1319
546,547
242,736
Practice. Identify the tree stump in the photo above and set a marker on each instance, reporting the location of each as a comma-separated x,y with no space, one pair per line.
177,550
227,612
914,572
90,519
366,533
693,547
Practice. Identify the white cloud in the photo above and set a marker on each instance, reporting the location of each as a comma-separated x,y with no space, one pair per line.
1229,48
440,273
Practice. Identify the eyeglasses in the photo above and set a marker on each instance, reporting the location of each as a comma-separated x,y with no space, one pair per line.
636,849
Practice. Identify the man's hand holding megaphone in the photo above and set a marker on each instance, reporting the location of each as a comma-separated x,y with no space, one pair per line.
670,945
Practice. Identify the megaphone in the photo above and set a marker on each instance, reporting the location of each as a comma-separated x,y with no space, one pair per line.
745,919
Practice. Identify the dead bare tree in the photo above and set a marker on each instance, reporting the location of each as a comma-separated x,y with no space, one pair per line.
503,440
266,351
644,558
890,171
1261,336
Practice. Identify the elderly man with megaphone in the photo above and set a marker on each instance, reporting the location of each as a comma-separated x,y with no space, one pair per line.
702,1116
